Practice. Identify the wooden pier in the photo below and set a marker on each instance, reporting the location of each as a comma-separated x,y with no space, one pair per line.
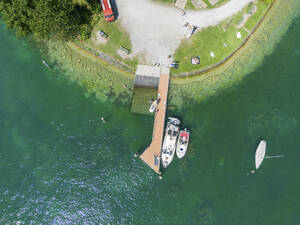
151,156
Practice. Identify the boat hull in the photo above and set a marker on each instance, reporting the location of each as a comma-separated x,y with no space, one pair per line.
183,142
166,158
153,106
170,141
260,153
180,151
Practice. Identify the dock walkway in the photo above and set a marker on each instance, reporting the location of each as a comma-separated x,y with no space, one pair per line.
151,156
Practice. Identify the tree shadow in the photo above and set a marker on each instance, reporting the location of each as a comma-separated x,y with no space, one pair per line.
114,8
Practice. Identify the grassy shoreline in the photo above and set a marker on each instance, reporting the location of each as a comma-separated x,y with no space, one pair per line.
100,79
108,84
220,39
245,61
117,37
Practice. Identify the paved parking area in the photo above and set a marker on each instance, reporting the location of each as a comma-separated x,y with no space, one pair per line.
156,30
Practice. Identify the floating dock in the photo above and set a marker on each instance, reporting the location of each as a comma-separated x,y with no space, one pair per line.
151,155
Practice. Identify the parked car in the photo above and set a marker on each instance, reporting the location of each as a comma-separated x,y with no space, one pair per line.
173,65
102,34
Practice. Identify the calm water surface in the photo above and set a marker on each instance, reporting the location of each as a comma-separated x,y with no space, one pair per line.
60,164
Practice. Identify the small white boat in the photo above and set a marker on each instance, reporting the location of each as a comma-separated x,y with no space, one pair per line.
45,63
170,140
183,142
260,153
153,106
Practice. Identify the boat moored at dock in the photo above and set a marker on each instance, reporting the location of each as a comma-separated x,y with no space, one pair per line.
153,106
183,142
170,141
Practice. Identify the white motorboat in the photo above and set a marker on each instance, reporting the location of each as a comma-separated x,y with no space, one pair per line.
183,142
170,140
153,106
260,153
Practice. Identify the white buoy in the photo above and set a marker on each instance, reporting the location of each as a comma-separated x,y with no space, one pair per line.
103,120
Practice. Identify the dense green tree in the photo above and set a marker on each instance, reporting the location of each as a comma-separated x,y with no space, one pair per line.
45,19
82,3
15,15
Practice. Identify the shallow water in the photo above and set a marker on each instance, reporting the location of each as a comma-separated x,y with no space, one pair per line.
60,164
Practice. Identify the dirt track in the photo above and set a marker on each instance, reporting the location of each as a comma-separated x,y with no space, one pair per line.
156,30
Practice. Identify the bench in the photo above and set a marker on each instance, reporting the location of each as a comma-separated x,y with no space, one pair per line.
125,50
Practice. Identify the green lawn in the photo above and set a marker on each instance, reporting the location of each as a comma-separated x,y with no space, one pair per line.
212,39
220,2
117,37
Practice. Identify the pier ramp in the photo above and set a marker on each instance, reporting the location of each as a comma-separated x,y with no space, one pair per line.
147,76
145,88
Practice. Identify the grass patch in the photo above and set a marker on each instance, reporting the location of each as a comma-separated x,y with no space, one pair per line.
117,37
212,39
261,10
189,5
199,88
142,99
166,1
218,4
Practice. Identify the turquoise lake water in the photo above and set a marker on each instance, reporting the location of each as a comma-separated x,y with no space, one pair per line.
60,164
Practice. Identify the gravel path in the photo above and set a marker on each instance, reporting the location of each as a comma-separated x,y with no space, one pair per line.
156,30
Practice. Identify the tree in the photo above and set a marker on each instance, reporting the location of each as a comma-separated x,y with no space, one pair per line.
45,19
82,3
14,15
51,19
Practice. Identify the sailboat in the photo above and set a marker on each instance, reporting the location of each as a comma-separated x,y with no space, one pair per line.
260,154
